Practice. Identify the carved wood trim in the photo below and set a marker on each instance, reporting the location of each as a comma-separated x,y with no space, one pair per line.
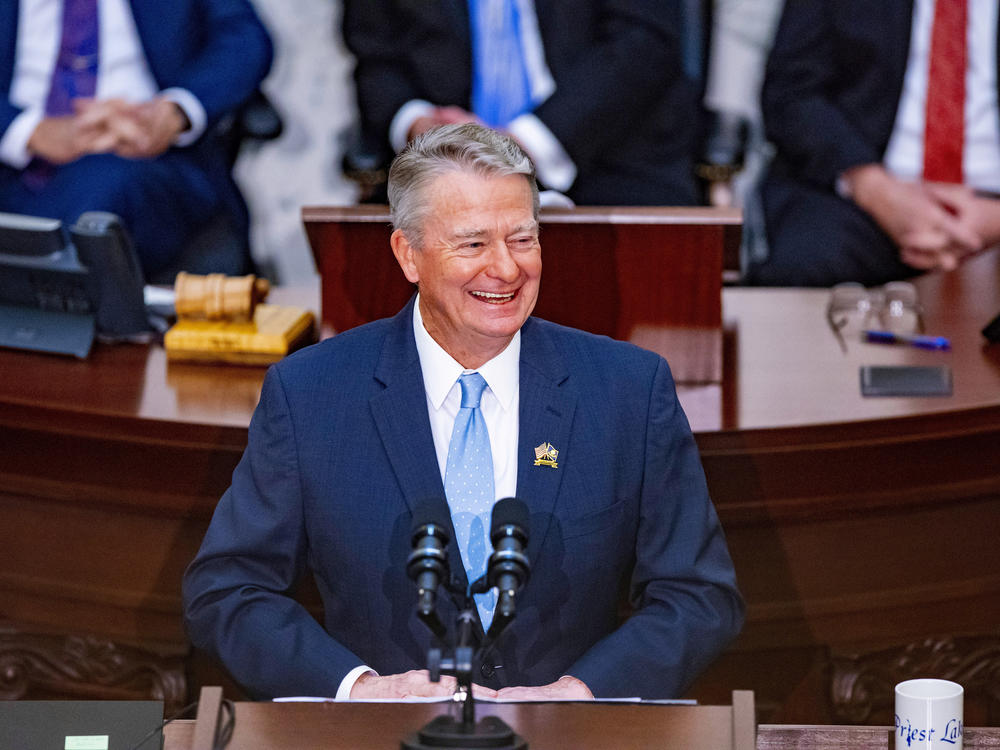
35,665
861,684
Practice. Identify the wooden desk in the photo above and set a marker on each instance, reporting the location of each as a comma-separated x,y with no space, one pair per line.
859,528
652,276
864,530
588,732
581,726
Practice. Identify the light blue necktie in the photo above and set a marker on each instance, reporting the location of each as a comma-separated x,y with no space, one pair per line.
468,485
500,87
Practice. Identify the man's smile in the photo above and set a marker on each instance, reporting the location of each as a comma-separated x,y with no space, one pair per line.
495,298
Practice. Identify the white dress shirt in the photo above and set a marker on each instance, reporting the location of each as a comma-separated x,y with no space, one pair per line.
904,156
499,403
554,166
123,71
499,406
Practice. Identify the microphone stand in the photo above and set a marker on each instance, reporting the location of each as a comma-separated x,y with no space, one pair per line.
467,733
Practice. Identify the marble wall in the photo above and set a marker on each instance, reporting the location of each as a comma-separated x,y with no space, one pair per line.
310,85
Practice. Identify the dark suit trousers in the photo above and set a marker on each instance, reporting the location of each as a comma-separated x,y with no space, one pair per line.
817,238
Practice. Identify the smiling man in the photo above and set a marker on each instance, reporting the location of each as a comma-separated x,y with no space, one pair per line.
453,398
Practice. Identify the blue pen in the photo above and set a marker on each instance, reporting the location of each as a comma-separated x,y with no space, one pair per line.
937,343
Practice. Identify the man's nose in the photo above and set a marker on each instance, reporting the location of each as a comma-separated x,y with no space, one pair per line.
501,263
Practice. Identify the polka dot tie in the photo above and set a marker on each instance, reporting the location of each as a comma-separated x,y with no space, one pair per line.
468,485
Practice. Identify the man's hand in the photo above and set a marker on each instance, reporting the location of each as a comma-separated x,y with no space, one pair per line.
928,232
60,140
440,116
133,131
564,689
415,683
141,131
978,212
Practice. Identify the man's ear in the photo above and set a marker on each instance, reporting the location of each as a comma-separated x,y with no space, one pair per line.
404,253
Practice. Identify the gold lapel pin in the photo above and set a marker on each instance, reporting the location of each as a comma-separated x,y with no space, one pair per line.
545,455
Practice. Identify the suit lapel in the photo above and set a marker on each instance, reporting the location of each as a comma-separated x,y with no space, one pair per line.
546,416
151,25
8,23
900,26
400,415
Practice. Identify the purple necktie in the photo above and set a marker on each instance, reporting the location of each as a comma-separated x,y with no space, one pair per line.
75,74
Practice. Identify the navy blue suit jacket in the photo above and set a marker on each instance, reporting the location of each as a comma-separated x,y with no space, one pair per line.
340,451
623,108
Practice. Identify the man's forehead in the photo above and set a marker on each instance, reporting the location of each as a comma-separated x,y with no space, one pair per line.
468,204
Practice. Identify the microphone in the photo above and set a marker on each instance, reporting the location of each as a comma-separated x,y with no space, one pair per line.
427,564
508,567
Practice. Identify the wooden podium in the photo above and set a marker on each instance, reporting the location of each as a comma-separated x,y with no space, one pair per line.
652,276
378,726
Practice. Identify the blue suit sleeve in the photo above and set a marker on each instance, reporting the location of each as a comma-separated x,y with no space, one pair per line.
237,591
687,607
630,63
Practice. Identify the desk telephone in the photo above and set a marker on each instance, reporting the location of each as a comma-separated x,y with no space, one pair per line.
57,291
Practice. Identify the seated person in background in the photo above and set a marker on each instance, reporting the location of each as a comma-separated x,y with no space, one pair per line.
885,120
593,90
109,106
351,434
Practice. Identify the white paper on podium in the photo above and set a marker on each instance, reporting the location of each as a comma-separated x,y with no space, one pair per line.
450,699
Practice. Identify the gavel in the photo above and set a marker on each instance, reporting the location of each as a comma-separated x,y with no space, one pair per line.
217,296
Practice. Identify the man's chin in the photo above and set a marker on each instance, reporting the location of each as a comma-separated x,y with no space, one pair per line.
504,321
500,330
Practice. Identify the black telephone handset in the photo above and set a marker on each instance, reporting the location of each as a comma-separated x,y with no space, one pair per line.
116,288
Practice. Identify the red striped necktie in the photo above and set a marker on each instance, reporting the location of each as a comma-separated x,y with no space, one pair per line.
944,133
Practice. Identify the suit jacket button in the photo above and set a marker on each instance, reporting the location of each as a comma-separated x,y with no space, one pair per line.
487,670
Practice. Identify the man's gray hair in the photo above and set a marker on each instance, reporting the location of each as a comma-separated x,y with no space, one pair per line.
450,148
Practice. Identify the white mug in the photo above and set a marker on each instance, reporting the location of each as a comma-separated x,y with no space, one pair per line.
929,715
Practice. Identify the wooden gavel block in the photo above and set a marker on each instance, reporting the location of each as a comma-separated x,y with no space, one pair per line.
218,297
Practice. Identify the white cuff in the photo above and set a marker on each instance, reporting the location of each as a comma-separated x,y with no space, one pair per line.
347,684
555,169
843,188
400,126
14,143
195,113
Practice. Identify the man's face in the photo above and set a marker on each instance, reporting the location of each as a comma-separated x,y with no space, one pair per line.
480,264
